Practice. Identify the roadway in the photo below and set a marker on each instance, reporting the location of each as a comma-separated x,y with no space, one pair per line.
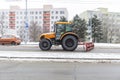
37,70
11,69
30,52
56,49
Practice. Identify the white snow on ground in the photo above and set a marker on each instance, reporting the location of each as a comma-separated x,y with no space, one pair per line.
106,45
62,55
12,54
50,56
29,43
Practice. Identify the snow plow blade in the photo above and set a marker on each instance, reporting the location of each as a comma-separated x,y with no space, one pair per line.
87,45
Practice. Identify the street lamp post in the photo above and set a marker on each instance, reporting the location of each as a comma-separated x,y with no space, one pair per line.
90,24
26,24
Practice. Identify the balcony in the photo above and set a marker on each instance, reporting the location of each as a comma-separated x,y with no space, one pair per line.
11,15
11,19
46,25
46,19
12,27
47,14
11,24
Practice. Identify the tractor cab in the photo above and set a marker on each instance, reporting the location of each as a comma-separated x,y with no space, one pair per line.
61,28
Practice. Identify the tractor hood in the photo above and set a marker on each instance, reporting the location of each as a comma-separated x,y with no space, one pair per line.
47,35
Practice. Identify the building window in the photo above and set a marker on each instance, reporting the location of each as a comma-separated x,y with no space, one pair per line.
56,12
21,22
11,17
21,17
17,13
24,17
36,22
17,22
17,26
6,22
52,27
6,17
45,12
20,12
2,12
61,12
45,17
17,17
52,12
25,12
52,22
40,17
40,12
45,22
32,17
36,17
52,17
36,12
118,15
32,12
56,17
6,13
10,22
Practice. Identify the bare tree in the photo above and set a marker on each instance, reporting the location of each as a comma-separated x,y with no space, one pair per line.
21,33
2,24
34,31
110,35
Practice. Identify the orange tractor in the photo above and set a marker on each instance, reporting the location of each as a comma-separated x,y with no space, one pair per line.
62,35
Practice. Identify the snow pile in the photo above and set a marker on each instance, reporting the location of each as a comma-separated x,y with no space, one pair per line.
106,45
62,55
29,43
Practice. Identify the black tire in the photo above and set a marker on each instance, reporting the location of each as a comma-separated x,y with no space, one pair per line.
13,43
18,43
69,43
3,44
45,44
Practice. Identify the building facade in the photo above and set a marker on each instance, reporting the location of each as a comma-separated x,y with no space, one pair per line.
15,19
110,24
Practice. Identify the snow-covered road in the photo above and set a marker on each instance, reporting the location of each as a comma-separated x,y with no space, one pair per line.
65,56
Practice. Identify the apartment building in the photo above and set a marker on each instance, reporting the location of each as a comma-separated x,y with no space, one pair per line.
110,24
51,15
14,20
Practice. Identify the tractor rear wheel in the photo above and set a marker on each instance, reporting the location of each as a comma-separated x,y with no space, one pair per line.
69,43
45,44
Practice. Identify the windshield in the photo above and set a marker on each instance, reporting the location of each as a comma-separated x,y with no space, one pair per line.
60,29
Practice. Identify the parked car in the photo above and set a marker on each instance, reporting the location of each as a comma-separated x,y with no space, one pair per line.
10,39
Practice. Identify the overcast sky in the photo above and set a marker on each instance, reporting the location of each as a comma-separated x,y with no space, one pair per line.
74,6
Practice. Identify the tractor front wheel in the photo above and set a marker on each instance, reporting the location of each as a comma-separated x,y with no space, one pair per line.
69,43
45,44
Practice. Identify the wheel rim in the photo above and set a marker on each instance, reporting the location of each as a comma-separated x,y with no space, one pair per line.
69,42
45,44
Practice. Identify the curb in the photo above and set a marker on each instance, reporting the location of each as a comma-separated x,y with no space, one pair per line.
48,59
